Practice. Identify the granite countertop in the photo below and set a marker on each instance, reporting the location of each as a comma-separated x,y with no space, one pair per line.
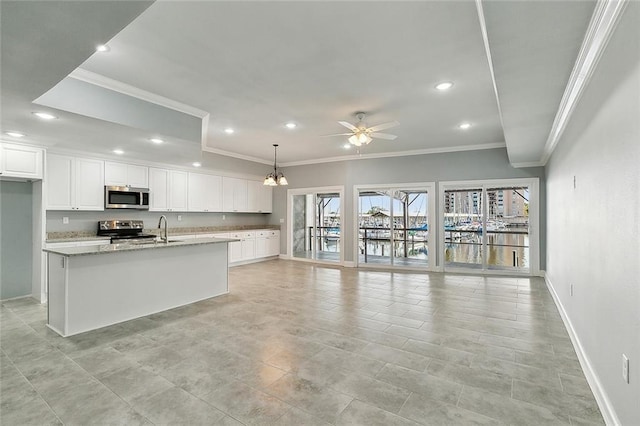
60,237
117,248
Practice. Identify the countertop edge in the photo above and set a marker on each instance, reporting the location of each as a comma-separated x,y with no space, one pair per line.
120,248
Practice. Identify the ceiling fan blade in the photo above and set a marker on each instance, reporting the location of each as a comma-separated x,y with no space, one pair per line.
348,125
383,136
336,134
383,126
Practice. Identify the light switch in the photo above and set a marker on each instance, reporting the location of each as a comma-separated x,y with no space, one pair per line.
65,220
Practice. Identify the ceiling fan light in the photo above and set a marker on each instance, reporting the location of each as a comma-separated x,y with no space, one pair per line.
353,139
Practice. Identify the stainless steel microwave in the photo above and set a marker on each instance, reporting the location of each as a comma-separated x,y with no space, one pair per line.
126,197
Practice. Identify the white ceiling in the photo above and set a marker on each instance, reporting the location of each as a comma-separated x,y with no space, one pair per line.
254,66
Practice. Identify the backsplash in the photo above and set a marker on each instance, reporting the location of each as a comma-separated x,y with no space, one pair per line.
86,222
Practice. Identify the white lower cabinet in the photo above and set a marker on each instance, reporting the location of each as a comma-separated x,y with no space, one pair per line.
267,243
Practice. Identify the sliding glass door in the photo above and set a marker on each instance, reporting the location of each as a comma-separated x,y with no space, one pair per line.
487,227
316,225
393,226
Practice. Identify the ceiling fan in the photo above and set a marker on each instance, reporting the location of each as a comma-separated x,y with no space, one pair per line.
362,135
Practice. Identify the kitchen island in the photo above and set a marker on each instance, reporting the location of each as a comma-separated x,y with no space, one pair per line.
96,286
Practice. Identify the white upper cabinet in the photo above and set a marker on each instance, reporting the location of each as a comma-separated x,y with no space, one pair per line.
74,183
20,162
205,193
178,190
168,190
234,194
121,174
259,197
158,189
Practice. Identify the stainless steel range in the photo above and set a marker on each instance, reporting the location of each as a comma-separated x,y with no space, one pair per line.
122,231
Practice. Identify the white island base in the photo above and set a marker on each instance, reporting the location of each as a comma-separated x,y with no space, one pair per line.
93,290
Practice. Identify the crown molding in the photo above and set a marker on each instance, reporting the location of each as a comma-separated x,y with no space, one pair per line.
529,164
396,154
235,155
126,89
602,25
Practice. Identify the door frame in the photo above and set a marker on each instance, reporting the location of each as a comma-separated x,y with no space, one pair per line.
534,222
432,223
314,190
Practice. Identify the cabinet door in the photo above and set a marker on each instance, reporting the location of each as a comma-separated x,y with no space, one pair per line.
178,188
115,174
248,248
273,244
197,190
235,248
137,176
213,193
159,189
89,184
261,247
58,181
21,161
266,200
254,196
234,195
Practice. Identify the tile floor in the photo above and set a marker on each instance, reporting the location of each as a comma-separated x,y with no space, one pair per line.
298,344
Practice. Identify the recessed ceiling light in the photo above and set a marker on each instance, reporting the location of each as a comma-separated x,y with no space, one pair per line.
196,164
464,126
102,48
118,151
156,140
15,134
229,130
291,125
445,85
44,115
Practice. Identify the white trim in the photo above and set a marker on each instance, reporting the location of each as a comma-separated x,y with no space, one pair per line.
605,405
602,25
485,41
126,89
534,221
289,229
19,297
207,148
430,187
397,154
529,164
348,264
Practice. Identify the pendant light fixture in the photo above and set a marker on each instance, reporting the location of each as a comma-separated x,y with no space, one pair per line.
275,178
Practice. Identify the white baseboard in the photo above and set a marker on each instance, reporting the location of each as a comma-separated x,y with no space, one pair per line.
606,408
18,297
349,264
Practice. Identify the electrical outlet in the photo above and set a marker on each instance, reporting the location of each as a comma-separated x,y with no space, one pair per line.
179,217
571,289
281,220
65,220
625,368
224,217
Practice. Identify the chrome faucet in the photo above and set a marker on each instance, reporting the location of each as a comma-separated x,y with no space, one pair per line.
166,234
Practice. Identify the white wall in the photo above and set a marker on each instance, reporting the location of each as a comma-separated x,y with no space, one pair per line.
466,165
15,239
593,238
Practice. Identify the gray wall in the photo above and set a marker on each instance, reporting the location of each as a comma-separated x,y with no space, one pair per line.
87,221
15,239
467,165
593,230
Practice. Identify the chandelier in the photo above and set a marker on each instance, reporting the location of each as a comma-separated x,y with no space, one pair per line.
275,178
